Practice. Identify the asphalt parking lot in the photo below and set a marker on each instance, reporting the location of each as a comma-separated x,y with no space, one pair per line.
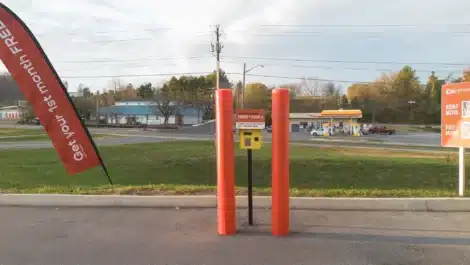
118,236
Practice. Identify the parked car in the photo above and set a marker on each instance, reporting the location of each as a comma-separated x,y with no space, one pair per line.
319,132
34,121
316,132
382,130
364,131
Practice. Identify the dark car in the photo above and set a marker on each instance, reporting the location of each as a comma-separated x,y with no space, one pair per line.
382,130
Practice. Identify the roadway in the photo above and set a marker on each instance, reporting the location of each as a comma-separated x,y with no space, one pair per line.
118,236
205,132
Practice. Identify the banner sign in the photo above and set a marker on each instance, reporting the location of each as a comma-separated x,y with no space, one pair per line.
33,72
455,115
250,119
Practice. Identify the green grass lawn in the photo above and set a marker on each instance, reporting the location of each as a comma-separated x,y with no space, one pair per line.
16,131
189,168
21,138
409,128
20,135
41,137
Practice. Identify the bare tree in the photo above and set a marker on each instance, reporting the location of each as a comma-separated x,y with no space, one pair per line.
116,84
331,92
330,89
310,86
294,88
9,90
164,105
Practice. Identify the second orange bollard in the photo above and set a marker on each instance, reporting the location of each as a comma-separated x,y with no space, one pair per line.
280,162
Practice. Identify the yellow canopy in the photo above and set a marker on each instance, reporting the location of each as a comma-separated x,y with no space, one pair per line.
341,113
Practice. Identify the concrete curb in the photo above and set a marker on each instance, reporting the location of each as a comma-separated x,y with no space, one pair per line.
209,201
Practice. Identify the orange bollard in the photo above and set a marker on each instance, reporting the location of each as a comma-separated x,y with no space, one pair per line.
226,216
280,162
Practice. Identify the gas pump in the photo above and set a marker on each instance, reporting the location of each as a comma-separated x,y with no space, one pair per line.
326,129
356,129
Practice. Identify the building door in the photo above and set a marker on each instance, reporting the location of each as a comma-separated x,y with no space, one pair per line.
295,127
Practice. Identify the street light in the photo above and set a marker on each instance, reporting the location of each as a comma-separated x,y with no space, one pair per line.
243,82
411,102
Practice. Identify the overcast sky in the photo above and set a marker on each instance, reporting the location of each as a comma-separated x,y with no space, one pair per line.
88,41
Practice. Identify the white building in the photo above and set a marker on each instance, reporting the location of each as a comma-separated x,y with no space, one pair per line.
11,113
147,112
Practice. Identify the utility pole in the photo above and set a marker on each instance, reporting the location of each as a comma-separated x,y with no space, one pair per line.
411,102
217,49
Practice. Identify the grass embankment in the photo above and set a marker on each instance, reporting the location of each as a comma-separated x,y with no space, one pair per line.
408,128
189,168
22,135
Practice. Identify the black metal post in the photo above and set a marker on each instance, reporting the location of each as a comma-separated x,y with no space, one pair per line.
250,187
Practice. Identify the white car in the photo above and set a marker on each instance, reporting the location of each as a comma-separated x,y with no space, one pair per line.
316,132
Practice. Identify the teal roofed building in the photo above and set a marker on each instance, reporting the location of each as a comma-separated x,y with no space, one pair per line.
148,112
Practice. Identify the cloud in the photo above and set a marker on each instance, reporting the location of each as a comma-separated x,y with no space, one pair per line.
149,31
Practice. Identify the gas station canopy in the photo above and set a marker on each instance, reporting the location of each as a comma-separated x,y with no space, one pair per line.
340,114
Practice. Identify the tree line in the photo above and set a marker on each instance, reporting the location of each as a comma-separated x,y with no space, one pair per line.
398,97
169,98
9,92
401,97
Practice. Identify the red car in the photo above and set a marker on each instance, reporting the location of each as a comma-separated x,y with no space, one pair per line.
382,130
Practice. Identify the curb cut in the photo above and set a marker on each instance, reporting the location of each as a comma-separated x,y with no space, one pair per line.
260,202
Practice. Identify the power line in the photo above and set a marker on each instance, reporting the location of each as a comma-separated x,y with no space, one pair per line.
105,31
302,78
160,29
303,66
241,59
229,73
443,71
209,72
378,34
136,60
125,40
346,68
267,34
344,61
288,34
76,33
135,75
260,58
365,25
